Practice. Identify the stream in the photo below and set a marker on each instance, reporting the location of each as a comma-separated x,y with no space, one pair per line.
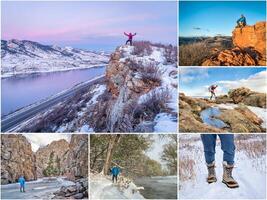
158,187
209,117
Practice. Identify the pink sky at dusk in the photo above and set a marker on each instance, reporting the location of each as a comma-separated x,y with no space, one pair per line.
91,25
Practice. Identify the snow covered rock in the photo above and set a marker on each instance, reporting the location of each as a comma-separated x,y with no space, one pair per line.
22,56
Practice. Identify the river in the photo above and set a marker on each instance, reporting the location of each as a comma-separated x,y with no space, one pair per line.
158,187
23,90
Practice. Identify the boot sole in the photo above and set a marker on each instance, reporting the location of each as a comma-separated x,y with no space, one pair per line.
213,181
229,186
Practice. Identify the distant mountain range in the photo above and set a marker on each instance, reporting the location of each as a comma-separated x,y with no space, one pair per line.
23,56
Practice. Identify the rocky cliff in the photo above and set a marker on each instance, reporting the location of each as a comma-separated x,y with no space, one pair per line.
52,154
17,159
76,164
249,50
137,76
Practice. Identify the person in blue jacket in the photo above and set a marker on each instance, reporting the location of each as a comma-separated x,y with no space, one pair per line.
115,172
22,183
241,22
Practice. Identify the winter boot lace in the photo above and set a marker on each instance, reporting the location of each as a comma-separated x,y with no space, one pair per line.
227,176
211,173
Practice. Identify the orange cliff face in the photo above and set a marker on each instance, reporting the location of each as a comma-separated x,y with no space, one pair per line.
251,37
249,50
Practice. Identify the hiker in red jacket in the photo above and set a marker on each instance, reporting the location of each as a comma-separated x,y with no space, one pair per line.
212,91
130,38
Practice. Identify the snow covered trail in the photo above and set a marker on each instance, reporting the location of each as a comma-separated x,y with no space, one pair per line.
103,188
40,189
249,173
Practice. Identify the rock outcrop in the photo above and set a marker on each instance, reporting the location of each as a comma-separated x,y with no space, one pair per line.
251,37
17,159
241,120
77,191
189,115
55,151
76,163
233,111
245,96
249,50
248,97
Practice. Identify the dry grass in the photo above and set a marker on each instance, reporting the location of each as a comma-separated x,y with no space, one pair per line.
193,54
186,169
142,48
252,148
151,74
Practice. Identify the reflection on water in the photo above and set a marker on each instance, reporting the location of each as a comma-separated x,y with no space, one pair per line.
21,91
158,187
209,117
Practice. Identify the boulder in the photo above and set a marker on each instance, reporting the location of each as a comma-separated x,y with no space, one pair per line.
248,97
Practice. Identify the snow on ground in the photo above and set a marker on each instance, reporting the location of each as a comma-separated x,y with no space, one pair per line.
164,121
260,112
101,187
40,189
249,173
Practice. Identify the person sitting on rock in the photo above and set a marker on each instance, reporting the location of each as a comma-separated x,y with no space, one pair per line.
22,183
130,38
115,172
228,148
241,22
212,91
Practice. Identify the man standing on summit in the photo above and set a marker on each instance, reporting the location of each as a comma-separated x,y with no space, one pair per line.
241,22
130,38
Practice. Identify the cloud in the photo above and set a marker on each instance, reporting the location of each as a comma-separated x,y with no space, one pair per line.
40,140
188,75
256,82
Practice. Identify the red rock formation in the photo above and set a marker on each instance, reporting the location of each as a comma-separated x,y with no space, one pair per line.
251,37
250,48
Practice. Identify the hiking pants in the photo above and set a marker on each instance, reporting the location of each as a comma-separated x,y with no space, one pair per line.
130,41
115,177
227,145
22,188
212,94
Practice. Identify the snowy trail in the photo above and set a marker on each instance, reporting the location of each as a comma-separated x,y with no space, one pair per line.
40,189
252,181
103,188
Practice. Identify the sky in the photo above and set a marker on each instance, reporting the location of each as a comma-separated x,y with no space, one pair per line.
89,25
40,140
196,81
210,18
156,150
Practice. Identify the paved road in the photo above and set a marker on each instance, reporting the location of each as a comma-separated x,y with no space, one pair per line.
11,121
41,189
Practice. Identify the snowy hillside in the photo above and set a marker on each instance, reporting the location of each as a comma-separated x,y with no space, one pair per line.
249,171
22,56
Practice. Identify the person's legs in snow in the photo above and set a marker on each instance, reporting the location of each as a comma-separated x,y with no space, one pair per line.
228,147
129,41
209,143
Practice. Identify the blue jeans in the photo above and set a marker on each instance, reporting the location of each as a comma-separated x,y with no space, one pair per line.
227,145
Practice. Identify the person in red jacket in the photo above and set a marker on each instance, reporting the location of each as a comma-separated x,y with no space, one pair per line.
212,91
130,38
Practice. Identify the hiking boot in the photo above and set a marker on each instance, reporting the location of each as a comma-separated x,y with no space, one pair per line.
212,175
228,180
